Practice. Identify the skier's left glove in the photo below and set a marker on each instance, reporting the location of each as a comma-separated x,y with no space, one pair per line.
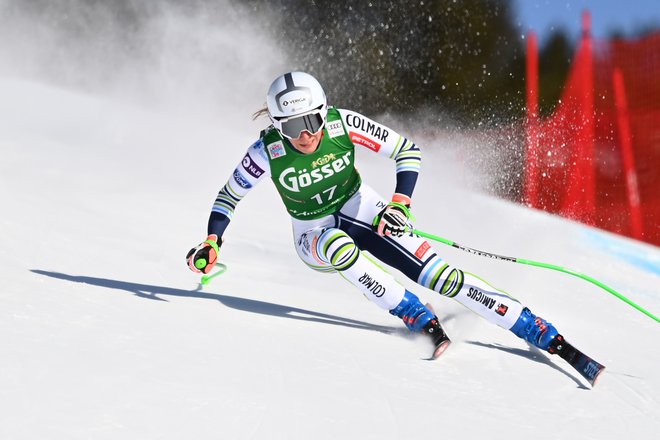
203,257
393,220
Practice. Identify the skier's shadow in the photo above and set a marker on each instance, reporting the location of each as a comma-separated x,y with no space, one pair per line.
533,354
247,305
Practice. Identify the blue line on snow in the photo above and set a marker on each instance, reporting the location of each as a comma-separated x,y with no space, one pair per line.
629,251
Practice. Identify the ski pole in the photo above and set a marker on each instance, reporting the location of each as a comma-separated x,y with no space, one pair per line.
222,268
537,264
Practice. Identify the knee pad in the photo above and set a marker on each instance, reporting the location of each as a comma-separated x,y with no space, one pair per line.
337,249
443,278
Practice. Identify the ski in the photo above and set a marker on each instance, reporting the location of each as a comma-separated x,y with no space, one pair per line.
440,348
438,336
583,364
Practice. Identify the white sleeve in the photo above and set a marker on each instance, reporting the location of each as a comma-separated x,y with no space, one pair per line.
252,169
387,142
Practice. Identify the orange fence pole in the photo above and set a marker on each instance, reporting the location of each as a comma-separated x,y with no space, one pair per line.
532,124
580,193
623,123
589,127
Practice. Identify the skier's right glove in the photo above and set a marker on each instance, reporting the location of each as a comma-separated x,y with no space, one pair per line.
203,257
392,220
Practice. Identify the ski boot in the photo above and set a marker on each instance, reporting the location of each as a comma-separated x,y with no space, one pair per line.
535,330
421,319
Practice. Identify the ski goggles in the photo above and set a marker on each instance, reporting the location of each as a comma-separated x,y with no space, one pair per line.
291,128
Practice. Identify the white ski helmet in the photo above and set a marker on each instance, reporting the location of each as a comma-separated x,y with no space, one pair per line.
296,102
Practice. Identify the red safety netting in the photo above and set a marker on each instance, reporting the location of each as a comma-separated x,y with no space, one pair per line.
597,158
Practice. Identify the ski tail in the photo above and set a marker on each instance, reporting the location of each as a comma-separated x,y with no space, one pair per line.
588,368
438,335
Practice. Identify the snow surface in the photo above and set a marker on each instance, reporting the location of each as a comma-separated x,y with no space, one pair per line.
105,334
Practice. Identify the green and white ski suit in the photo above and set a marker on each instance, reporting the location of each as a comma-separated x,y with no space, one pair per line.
332,211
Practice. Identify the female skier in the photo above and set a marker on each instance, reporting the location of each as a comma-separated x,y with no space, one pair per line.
308,152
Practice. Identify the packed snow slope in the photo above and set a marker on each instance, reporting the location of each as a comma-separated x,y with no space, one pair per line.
105,334
114,140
